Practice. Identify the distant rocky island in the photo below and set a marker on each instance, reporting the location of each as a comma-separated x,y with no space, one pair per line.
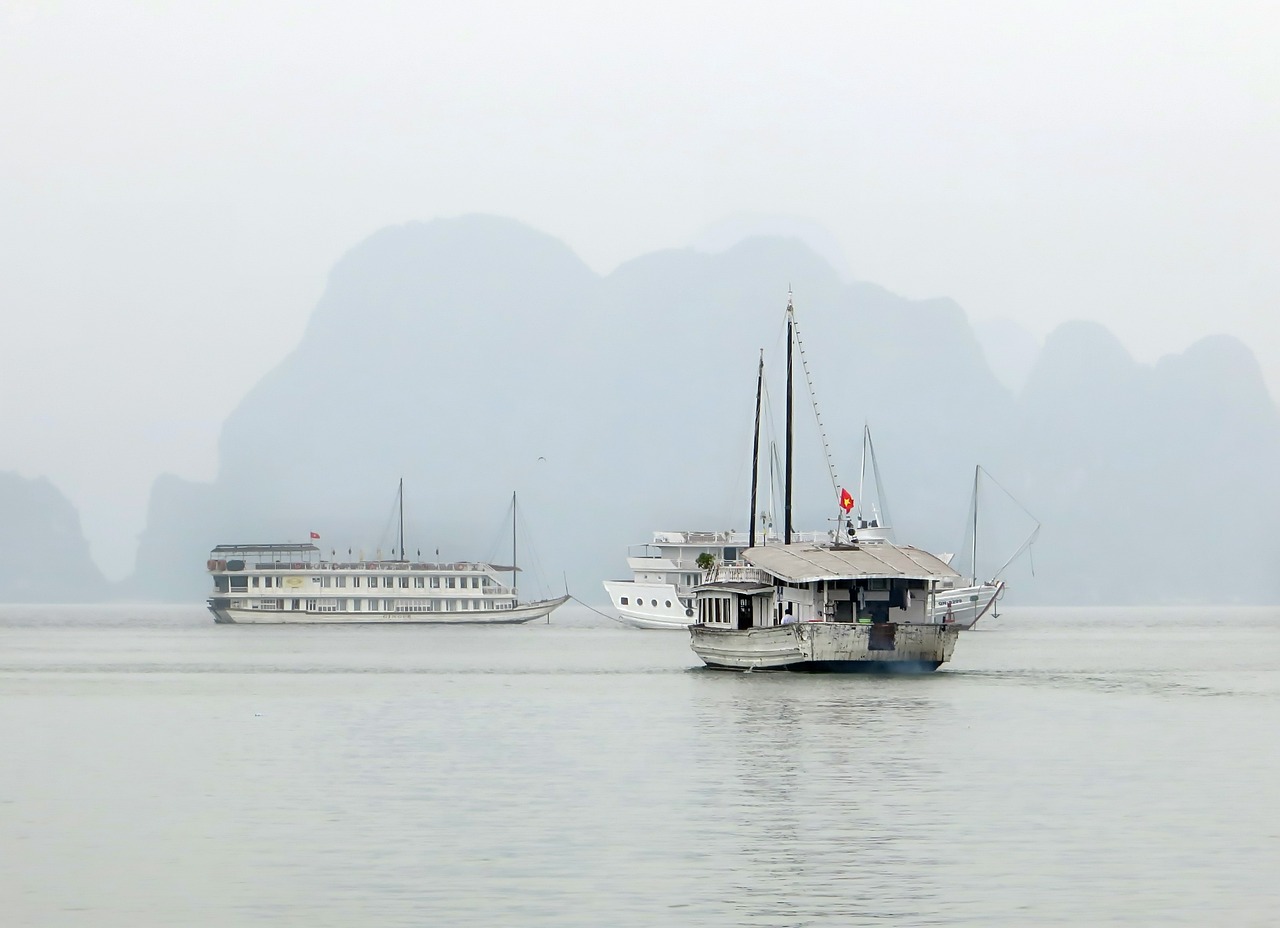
44,556
476,356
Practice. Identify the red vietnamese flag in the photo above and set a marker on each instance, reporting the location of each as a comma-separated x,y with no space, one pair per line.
315,534
846,501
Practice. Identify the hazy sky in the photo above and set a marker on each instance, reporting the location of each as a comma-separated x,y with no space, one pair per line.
177,178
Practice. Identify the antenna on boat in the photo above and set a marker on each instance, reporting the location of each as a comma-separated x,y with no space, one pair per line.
513,553
755,450
786,493
401,496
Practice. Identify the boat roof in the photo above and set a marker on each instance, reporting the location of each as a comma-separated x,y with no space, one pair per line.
263,549
802,563
729,537
734,586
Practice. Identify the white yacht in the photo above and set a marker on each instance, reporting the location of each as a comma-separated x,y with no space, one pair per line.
666,570
293,583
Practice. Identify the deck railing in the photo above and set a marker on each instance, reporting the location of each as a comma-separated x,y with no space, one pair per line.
738,572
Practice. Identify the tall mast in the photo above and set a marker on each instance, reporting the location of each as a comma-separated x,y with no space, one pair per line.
976,470
401,495
513,547
755,449
786,493
862,470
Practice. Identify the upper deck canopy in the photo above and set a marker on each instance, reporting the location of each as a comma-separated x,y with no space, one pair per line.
269,550
804,563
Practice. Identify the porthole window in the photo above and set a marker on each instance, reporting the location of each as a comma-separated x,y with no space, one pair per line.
688,613
668,604
655,604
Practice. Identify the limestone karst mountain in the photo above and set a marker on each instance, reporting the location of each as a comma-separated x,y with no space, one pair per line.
476,356
44,557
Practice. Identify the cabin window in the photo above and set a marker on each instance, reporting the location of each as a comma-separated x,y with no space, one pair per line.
239,584
475,583
388,582
404,583
255,583
624,600
450,582
373,605
326,581
419,583
668,604
356,604
340,581
220,584
266,581
730,554
388,605
311,605
435,583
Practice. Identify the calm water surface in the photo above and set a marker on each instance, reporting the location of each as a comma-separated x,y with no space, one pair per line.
1070,767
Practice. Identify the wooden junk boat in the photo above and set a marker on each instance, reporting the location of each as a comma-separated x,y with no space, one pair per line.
859,605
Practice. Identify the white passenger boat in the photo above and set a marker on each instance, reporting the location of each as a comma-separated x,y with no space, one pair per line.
854,604
294,583
666,570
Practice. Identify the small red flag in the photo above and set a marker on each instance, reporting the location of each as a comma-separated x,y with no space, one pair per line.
315,534
846,501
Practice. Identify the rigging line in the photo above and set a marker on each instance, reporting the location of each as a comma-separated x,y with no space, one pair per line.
885,518
813,400
733,488
526,532
775,465
1026,546
501,537
1011,496
386,528
604,615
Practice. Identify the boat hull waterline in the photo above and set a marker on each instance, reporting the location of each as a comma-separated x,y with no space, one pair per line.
826,646
525,612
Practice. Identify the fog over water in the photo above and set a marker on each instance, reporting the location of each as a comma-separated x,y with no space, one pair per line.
179,180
